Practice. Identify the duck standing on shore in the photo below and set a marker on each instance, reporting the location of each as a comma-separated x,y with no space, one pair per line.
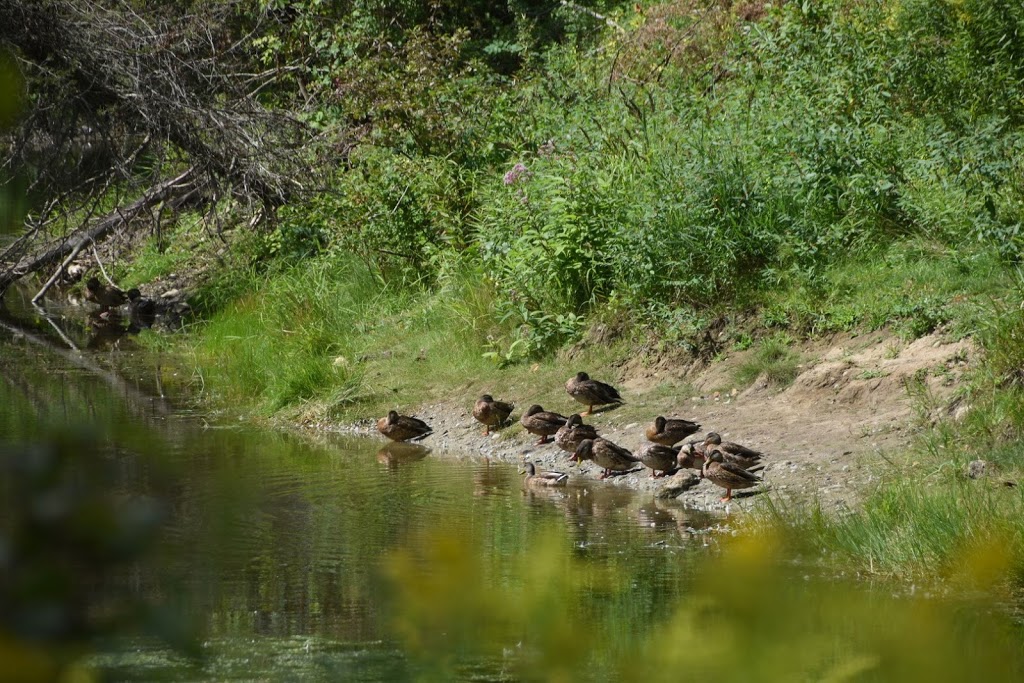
691,455
658,457
605,454
669,432
573,433
403,427
543,423
591,392
727,475
491,413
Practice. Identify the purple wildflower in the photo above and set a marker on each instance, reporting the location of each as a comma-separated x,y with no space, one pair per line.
518,171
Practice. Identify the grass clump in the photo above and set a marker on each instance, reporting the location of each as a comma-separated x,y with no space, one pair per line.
774,360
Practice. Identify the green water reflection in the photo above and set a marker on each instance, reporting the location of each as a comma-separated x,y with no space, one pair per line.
349,560
273,545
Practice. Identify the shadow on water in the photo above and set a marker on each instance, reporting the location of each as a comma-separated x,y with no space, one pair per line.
170,549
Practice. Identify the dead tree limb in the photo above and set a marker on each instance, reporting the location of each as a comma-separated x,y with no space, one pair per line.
177,186
123,89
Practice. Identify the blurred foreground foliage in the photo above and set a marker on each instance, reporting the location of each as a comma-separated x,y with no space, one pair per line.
752,615
71,539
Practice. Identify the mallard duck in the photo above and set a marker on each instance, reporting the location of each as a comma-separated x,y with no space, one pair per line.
573,432
691,455
535,478
727,475
590,392
142,310
606,454
732,452
658,457
669,432
541,422
490,412
106,297
403,427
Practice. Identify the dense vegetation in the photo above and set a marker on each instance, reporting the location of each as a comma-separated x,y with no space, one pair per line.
517,178
505,178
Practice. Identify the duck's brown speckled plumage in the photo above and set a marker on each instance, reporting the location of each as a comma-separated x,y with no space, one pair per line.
732,452
106,297
569,436
670,431
605,454
691,455
727,475
491,413
543,423
658,457
591,392
402,427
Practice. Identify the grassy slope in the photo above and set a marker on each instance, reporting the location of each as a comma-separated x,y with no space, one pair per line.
830,184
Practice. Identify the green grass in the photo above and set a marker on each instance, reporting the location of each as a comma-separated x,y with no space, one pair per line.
177,248
774,360
917,524
914,286
327,338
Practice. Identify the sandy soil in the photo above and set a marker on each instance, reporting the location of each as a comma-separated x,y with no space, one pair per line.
856,402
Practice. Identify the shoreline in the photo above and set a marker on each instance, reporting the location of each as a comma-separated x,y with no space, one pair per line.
824,436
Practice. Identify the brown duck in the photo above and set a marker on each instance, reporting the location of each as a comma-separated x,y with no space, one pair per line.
606,455
591,393
732,452
403,427
691,455
549,478
106,297
727,475
541,422
569,436
669,432
658,457
490,412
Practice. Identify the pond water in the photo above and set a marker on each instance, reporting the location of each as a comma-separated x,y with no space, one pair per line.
275,544
277,557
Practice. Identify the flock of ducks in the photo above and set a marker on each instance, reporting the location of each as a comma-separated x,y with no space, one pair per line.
728,465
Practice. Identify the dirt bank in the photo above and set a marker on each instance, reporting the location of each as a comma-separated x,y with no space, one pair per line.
855,399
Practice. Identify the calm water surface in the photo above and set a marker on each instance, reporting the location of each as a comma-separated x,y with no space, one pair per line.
274,545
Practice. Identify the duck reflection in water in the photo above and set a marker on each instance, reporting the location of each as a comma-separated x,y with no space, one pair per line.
672,516
104,329
395,453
